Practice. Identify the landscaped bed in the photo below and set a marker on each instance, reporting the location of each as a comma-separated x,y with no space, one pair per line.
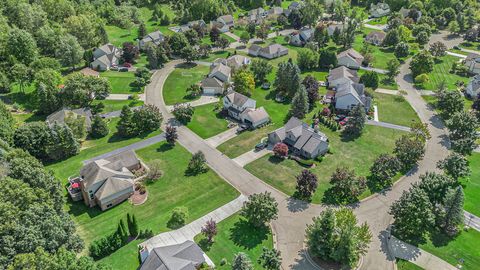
207,122
235,235
358,154
175,88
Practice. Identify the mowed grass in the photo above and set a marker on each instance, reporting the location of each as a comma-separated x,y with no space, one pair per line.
175,88
236,235
244,142
395,110
463,247
121,82
406,265
358,155
198,193
471,186
441,73
207,122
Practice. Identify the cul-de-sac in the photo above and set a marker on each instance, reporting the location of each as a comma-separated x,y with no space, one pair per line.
239,134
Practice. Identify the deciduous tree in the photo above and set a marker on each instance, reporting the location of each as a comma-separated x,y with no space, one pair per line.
260,209
307,183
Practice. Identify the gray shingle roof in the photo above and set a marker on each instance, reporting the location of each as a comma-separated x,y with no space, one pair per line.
343,72
185,256
59,116
237,98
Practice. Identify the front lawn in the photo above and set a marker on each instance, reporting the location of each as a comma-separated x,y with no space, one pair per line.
175,88
198,193
358,154
235,235
441,72
244,142
472,186
121,82
395,110
207,122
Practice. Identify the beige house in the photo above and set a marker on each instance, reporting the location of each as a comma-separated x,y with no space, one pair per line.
59,116
350,59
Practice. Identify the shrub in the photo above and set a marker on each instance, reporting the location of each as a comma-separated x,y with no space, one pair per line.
154,170
183,112
422,78
280,150
179,217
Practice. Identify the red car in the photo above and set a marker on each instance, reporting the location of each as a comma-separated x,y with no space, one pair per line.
127,65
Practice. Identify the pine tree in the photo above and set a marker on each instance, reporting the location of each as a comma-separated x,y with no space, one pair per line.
320,234
123,231
125,126
241,262
99,128
129,224
299,107
452,211
142,30
134,232
356,122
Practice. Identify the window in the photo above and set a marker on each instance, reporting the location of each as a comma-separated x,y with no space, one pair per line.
109,205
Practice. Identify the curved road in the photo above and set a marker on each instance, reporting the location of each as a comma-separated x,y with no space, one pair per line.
294,215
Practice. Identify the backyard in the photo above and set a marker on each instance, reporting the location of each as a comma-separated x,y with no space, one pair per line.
441,73
358,154
121,82
235,235
207,122
175,88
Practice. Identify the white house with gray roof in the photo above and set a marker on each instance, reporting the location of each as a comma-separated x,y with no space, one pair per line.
472,62
473,87
155,38
223,23
349,95
302,139
243,109
216,80
106,57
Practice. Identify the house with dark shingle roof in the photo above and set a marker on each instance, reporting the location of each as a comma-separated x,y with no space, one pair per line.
301,37
223,23
302,139
59,116
341,75
243,109
216,80
185,256
155,38
269,52
375,37
472,62
106,57
350,58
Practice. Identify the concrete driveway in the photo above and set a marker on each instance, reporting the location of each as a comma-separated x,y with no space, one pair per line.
251,156
222,137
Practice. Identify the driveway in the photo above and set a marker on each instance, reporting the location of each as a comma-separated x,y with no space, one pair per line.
222,137
203,100
251,156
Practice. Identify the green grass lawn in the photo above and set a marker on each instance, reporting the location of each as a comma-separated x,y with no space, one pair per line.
198,193
22,99
392,109
175,88
471,45
206,122
117,105
236,235
441,72
406,265
245,141
384,82
472,186
121,82
464,246
358,154
379,21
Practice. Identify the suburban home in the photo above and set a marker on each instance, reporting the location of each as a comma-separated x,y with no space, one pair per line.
473,87
107,182
243,109
106,57
472,62
350,58
223,23
341,75
59,116
259,12
405,12
234,62
216,80
349,95
301,37
155,38
375,37
302,139
333,26
199,23
185,256
379,10
86,71
270,52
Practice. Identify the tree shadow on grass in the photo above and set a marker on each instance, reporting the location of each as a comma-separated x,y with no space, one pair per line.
186,65
117,138
440,239
204,244
165,147
345,137
79,208
246,235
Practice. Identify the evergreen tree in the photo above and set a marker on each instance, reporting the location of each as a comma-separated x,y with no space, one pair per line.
451,211
320,234
125,127
312,86
356,122
62,143
99,127
270,259
287,80
299,107
129,224
142,30
134,231
241,262
123,232
47,99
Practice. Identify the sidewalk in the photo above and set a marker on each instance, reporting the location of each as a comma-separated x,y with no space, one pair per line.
471,220
378,70
222,137
417,256
387,125
189,231
203,100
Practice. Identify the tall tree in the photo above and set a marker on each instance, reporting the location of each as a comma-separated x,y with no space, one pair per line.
307,183
22,46
244,82
210,230
448,102
260,208
356,122
451,215
409,151
70,53
421,63
346,185
312,86
393,68
384,168
299,107
260,68
241,262
463,132
455,165
171,134
270,259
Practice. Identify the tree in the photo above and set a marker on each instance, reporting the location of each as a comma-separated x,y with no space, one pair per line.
84,29
328,59
81,90
215,34
392,38
451,215
241,262
435,186
21,45
210,230
132,225
312,86
130,52
194,90
171,134
77,123
197,163
22,75
335,235
244,82
422,38
463,132
420,131
320,35
142,30
295,19
251,28
260,68
260,208
311,10
455,165
33,137
189,54
346,185
126,127
356,122
192,37
280,150
244,37
63,143
154,170
393,68
222,42
183,112
262,31
307,183
99,127
413,214
270,259
177,42
287,80
47,99
179,217
384,168
146,119
449,102
69,51
421,63
408,151
299,107
307,59
453,27
370,79
404,33
402,49
438,49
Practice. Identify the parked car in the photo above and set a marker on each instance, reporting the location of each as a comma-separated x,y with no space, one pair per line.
261,146
231,125
266,86
127,65
122,69
322,83
241,128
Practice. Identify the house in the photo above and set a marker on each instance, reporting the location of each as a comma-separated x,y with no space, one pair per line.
472,62
243,109
89,72
105,57
302,37
255,117
109,181
185,256
349,95
293,6
350,58
341,75
333,26
256,16
379,10
473,87
234,62
405,12
302,139
59,116
198,23
216,80
270,52
375,37
155,38
223,23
